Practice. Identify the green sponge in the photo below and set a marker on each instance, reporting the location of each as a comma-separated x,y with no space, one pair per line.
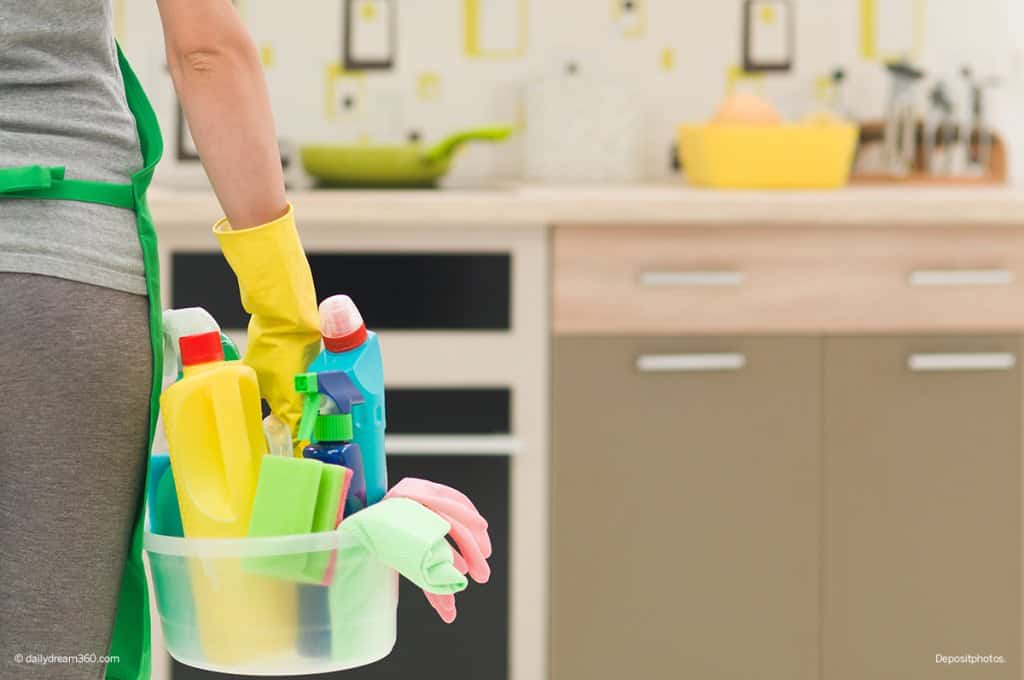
295,496
325,517
285,504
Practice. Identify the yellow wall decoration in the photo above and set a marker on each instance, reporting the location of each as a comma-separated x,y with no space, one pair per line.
667,59
267,55
428,86
876,46
495,29
735,75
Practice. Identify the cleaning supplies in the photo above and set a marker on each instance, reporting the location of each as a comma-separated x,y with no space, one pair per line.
284,504
279,437
299,496
350,373
314,607
333,435
468,531
164,515
411,539
215,438
295,496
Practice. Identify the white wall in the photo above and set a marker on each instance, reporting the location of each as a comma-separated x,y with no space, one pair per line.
305,37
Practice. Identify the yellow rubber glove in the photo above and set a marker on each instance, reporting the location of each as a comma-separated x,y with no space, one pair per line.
277,290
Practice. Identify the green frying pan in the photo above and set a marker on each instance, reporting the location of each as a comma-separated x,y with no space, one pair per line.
408,165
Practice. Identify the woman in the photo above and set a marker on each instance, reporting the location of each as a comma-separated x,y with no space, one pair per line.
79,311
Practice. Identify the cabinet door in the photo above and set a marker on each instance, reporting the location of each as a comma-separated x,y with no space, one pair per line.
922,489
686,508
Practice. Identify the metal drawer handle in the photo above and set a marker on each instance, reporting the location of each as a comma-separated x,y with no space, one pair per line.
696,277
993,361
683,363
451,445
961,277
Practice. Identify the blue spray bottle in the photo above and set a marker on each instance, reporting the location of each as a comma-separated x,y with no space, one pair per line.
350,373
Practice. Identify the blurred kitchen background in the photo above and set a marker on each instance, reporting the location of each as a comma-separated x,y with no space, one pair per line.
719,325
381,71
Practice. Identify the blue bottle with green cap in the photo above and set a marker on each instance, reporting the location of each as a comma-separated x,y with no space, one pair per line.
333,445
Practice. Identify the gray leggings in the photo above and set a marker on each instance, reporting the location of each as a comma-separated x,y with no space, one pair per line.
75,370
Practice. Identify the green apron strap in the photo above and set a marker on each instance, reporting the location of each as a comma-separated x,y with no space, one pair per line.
36,181
130,643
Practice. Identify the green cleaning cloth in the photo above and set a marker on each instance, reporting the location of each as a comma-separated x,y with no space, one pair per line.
411,539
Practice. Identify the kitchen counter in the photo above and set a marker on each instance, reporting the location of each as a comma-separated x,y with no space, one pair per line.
618,205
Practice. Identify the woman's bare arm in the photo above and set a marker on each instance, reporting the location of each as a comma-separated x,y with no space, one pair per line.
219,79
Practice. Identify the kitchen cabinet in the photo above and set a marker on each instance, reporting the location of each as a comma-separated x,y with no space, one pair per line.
922,483
686,507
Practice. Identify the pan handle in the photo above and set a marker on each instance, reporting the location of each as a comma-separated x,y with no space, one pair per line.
443,150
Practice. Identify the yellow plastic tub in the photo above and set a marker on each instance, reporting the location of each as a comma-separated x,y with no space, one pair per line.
788,156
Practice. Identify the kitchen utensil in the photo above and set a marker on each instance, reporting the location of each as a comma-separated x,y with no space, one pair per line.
790,156
397,166
939,132
900,148
978,139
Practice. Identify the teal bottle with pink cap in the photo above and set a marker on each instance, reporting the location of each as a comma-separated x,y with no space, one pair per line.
347,377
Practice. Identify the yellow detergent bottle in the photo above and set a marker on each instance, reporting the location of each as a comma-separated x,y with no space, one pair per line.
215,439
216,443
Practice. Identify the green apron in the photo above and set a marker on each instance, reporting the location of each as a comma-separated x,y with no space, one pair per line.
130,643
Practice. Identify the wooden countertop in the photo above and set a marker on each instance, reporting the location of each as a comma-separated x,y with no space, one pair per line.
653,204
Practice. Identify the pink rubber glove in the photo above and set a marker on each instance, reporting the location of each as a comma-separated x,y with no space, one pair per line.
469,532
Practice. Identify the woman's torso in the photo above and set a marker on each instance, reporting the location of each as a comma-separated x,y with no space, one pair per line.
62,102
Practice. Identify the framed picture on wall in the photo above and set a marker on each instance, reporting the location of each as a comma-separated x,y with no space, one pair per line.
768,35
369,34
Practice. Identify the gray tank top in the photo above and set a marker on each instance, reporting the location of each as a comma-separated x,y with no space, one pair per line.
62,102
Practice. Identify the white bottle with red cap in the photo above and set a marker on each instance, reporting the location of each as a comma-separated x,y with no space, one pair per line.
354,352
